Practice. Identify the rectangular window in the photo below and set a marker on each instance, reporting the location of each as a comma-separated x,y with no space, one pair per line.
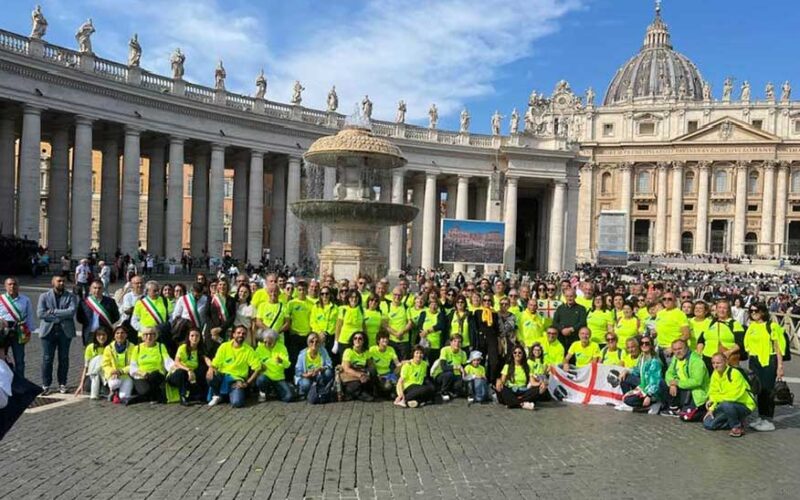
228,188
758,123
692,126
608,129
688,208
642,207
795,208
797,126
752,208
647,128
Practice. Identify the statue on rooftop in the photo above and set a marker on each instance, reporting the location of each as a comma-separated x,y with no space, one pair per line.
514,121
297,93
366,107
769,91
590,96
433,117
84,37
333,100
706,91
401,112
496,119
745,91
134,52
176,61
727,88
786,91
464,121
261,85
39,23
219,76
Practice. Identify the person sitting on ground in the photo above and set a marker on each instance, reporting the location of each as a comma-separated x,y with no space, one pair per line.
516,387
116,365
413,388
356,379
647,396
475,378
93,364
233,369
385,362
314,366
448,371
583,351
188,372
149,365
274,358
765,344
538,364
687,380
729,398
611,354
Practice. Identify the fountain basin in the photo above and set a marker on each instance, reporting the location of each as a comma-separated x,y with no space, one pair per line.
353,214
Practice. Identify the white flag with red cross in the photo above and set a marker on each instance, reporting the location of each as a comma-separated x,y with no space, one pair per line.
594,384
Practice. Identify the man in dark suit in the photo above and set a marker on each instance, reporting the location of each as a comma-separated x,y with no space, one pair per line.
96,310
56,312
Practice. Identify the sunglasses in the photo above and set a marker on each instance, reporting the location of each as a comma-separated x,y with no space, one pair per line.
325,293
611,339
517,353
669,299
313,341
358,338
645,343
551,289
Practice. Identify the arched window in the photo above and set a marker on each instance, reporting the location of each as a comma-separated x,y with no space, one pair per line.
605,183
688,182
643,182
720,181
796,181
687,242
750,247
752,183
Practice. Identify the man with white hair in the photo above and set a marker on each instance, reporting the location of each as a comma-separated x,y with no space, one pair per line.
83,276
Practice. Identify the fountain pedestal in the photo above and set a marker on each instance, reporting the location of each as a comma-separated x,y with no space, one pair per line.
351,261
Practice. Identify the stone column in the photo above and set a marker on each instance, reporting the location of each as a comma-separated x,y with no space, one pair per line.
676,208
29,180
255,208
462,210
701,231
199,225
780,208
626,200
384,234
109,196
174,235
216,201
81,228
396,244
480,202
510,243
155,198
292,222
277,233
429,223
58,198
239,229
556,245
129,206
767,208
585,217
740,211
329,184
661,209
8,160
452,194
418,199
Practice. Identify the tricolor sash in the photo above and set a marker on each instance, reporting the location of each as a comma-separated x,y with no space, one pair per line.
11,307
223,311
190,303
151,309
97,306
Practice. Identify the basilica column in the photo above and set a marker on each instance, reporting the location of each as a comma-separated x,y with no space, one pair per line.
418,200
661,209
109,196
767,208
780,208
239,229
255,208
8,161
429,223
385,233
216,201
510,243
626,194
129,207
292,223
701,231
676,208
58,195
199,225
155,197
30,184
396,246
462,210
740,211
277,233
81,228
174,234
585,218
556,240
329,184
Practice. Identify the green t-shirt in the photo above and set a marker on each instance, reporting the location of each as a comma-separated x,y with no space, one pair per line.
273,315
519,381
190,361
234,361
531,329
668,326
475,371
372,325
382,360
598,321
397,319
150,359
313,363
323,318
274,360
553,353
434,337
413,373
357,360
300,315
460,325
612,358
352,322
456,360
91,352
582,356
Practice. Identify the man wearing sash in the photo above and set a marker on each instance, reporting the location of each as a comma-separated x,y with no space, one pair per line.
151,310
56,312
17,311
96,310
193,307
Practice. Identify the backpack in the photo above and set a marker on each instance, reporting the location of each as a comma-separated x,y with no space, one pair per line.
321,394
787,354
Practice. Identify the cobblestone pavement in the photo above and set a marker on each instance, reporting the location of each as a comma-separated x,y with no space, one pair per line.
375,450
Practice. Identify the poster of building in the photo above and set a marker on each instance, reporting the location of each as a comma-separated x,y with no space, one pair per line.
611,248
472,241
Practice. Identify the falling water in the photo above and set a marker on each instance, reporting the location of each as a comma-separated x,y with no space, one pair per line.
314,189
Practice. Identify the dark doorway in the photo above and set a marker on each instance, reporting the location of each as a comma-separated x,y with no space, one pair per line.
529,241
719,236
750,247
687,242
641,236
793,246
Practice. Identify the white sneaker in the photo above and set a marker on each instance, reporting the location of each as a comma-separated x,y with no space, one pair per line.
214,401
494,397
762,425
62,389
262,396
528,406
470,401
655,408
445,398
623,407
755,422
412,404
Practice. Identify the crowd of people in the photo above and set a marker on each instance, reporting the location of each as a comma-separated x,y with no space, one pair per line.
700,352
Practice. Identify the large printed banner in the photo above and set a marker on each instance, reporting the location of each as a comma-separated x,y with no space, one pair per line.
472,241
594,384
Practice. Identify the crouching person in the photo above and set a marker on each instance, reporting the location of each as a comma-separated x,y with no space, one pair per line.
475,379
313,366
448,372
93,364
413,389
234,368
149,367
355,375
687,382
729,398
117,364
384,363
274,360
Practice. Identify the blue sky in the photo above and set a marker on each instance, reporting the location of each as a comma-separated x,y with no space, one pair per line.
482,54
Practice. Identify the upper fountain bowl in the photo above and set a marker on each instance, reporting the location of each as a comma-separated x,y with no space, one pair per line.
355,143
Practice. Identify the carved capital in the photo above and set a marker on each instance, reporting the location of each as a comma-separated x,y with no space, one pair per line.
588,167
742,164
678,165
704,165
626,167
663,166
769,165
784,164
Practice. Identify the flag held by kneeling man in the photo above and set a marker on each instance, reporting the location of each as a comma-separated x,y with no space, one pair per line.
594,384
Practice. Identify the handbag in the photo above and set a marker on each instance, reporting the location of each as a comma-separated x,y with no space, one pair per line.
782,394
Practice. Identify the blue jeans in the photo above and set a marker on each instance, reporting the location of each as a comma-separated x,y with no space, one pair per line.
727,416
19,357
480,390
304,384
281,387
56,340
222,384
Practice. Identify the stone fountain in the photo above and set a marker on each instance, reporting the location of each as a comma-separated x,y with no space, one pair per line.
354,216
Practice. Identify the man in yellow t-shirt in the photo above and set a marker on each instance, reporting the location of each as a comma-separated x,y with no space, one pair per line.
228,373
671,324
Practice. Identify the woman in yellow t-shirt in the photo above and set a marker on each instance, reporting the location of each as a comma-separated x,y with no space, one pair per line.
187,373
93,364
372,320
355,375
414,388
351,320
516,387
627,324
